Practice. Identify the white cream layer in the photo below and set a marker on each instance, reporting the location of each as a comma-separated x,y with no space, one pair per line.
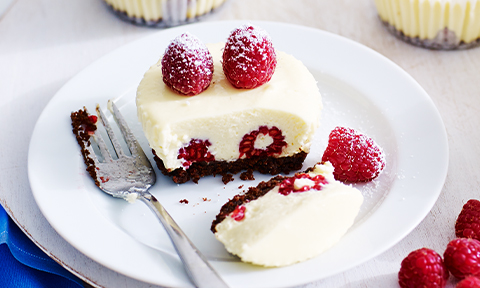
223,114
425,18
154,10
280,230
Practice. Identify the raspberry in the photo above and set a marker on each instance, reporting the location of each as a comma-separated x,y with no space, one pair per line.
288,185
423,268
468,221
187,65
196,151
255,142
249,58
239,213
469,282
355,157
462,257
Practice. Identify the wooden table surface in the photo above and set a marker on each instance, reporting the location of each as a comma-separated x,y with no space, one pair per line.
44,43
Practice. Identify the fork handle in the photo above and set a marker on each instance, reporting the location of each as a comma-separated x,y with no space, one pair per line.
195,264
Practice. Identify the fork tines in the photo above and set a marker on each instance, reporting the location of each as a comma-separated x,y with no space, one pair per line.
103,167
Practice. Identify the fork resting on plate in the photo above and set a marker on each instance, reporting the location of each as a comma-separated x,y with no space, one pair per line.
130,177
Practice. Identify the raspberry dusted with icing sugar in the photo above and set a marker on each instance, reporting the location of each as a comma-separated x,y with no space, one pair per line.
423,268
462,257
262,142
249,58
468,221
355,157
196,151
187,65
469,282
301,183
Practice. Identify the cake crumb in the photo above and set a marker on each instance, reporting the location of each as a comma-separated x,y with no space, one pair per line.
226,178
184,201
240,187
195,178
247,175
205,199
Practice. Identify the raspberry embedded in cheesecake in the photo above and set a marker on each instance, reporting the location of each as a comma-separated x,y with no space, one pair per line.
225,129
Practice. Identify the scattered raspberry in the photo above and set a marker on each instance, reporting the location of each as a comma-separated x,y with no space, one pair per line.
262,142
423,268
227,178
462,257
184,201
249,58
355,157
469,282
247,175
187,65
468,221
287,186
196,151
239,213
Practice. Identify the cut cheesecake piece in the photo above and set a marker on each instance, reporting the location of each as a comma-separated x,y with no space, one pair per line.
225,129
288,219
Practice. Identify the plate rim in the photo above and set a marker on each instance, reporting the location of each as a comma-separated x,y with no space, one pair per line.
57,97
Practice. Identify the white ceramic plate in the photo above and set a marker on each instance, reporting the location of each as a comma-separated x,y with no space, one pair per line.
360,88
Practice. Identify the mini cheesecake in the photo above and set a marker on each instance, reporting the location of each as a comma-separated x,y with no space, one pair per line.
288,219
434,24
225,129
156,13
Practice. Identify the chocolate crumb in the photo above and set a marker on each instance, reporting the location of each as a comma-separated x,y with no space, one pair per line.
226,178
247,175
240,187
184,201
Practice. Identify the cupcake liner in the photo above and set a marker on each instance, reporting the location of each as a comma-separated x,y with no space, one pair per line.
434,24
162,13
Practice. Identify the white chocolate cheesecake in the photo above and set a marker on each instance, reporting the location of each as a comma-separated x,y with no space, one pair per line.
162,13
231,126
437,24
288,219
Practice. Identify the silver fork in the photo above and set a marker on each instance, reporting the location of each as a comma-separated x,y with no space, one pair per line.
130,177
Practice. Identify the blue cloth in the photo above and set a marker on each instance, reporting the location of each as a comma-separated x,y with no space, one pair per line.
23,264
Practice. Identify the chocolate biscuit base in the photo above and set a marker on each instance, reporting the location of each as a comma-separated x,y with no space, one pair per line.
264,165
253,193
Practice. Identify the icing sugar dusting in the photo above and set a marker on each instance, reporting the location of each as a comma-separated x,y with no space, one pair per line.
192,51
246,40
249,59
187,65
